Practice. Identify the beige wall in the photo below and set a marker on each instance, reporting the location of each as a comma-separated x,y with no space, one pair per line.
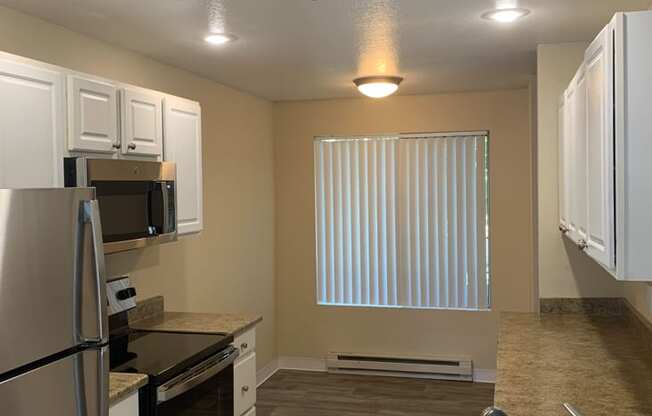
563,270
308,330
229,266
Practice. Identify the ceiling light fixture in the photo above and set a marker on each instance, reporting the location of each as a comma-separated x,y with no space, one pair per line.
219,38
378,86
506,15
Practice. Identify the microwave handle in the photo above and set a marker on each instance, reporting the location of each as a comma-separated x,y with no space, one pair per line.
97,311
165,197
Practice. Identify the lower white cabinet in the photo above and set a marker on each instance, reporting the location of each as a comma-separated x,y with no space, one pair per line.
126,407
32,125
182,145
244,374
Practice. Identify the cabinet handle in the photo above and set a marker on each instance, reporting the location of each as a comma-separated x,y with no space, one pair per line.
132,146
582,245
563,229
244,346
245,389
117,145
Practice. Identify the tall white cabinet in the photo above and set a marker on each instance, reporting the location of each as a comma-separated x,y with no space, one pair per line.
32,125
183,145
605,155
48,113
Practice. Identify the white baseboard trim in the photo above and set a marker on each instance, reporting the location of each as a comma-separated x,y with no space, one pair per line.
263,374
483,375
480,375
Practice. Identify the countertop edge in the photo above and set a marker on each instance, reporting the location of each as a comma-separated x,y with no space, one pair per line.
122,385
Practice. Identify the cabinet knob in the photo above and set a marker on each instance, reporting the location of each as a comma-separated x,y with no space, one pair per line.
244,346
245,389
132,146
117,145
582,245
563,229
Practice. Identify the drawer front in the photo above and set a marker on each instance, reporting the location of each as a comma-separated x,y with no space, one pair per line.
125,407
244,384
251,412
246,343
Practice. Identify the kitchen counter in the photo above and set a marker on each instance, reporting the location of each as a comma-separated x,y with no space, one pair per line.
207,323
122,385
150,316
602,365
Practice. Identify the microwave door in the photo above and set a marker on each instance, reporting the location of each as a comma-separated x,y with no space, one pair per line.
76,384
51,269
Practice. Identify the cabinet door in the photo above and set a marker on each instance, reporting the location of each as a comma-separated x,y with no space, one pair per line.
562,180
183,146
126,407
579,195
142,119
92,116
32,126
600,224
569,161
244,384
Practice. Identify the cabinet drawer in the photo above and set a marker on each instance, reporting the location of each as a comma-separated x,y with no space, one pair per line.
244,384
246,343
125,407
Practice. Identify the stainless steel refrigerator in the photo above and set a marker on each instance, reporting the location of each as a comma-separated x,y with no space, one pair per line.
53,323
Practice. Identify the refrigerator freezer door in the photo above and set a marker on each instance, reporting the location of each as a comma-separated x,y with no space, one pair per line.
76,385
52,291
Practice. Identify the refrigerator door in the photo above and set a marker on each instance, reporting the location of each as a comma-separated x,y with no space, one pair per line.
76,385
52,289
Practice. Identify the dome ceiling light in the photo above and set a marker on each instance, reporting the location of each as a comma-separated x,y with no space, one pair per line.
506,15
219,38
378,86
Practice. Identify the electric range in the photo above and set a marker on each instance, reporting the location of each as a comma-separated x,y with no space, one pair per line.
189,374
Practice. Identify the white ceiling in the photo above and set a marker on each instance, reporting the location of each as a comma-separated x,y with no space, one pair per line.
309,49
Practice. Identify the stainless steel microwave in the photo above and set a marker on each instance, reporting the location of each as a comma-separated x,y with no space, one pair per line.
137,199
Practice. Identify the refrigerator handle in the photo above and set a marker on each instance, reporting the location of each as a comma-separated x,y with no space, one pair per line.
92,217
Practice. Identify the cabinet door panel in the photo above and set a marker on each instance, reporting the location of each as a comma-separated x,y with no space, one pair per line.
92,115
32,126
142,118
183,145
570,166
600,235
562,180
580,157
244,384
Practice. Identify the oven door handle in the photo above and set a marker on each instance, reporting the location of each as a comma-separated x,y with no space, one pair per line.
196,375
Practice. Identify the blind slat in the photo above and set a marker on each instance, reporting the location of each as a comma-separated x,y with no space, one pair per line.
402,222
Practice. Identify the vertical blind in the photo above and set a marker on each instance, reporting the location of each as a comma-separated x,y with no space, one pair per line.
402,221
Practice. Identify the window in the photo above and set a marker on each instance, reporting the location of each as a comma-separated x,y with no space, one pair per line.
403,221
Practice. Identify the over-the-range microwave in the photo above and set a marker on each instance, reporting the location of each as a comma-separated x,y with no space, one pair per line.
137,199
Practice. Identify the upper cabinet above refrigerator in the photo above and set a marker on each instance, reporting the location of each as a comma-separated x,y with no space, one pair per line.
605,150
92,115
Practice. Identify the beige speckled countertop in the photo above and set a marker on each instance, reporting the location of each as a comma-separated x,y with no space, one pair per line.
208,323
597,363
122,385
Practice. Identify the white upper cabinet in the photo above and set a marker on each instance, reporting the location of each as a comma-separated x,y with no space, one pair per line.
600,177
183,145
32,125
142,118
606,137
92,115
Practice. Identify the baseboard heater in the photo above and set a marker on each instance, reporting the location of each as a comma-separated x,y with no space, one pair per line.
440,368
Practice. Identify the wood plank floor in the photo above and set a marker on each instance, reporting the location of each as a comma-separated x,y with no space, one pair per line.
296,393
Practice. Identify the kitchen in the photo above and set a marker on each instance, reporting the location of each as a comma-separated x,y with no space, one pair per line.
246,220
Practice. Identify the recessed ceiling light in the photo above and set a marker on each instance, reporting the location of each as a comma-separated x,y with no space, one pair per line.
506,15
219,38
378,86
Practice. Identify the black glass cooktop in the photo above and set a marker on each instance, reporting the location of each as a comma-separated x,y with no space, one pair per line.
162,355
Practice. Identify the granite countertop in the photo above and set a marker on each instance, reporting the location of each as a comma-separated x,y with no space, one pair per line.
207,323
599,364
149,315
122,385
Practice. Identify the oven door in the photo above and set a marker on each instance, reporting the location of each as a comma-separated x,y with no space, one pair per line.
205,389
